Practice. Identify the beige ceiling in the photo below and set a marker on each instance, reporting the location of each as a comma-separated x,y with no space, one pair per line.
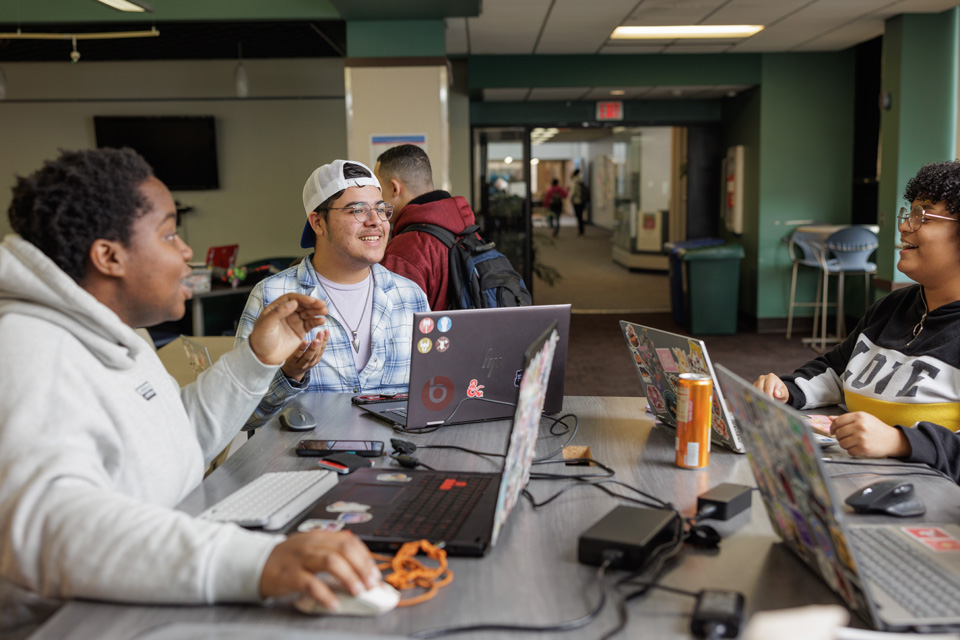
544,27
584,26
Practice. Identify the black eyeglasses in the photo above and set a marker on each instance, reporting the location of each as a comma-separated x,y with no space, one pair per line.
917,215
362,211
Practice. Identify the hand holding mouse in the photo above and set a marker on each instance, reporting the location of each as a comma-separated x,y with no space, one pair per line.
293,565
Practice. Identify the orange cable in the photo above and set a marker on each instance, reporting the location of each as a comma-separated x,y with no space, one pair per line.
410,573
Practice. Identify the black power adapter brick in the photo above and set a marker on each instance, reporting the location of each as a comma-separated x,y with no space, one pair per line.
628,533
726,500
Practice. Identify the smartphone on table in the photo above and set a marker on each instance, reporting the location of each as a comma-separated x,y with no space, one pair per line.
324,448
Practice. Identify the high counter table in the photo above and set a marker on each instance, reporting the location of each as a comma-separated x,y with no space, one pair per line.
532,576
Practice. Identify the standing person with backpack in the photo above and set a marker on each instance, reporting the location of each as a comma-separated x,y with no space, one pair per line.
553,198
435,235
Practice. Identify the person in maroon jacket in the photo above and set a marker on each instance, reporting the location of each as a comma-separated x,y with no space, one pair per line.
407,181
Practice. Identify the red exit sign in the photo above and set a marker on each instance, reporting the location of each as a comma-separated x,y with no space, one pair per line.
609,111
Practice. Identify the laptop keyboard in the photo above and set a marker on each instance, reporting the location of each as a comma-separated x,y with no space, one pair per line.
402,412
273,500
897,567
436,509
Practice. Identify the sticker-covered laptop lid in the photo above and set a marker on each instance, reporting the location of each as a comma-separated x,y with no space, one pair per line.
660,357
538,361
785,460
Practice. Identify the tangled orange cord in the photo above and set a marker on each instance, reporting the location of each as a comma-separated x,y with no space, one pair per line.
410,573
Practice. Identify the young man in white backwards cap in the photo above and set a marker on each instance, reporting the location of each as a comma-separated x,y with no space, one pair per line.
365,345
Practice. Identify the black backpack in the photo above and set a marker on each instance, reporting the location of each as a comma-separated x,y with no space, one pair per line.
480,276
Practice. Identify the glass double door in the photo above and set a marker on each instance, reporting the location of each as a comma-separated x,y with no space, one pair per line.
501,193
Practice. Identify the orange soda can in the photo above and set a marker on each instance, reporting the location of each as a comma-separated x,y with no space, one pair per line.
694,410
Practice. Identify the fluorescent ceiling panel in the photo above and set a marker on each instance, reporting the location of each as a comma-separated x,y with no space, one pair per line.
672,32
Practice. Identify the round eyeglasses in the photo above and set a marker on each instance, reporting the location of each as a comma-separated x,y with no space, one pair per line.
917,215
362,211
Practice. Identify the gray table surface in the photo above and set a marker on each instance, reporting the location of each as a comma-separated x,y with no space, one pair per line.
532,576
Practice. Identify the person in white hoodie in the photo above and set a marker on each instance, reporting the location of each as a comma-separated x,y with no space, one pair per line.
97,442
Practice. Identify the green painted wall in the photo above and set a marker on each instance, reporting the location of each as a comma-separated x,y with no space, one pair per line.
806,152
920,74
395,38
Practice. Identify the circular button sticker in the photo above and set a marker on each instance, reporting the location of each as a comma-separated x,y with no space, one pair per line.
444,324
424,345
442,344
426,325
437,393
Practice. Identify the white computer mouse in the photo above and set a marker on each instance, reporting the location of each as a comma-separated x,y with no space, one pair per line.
371,602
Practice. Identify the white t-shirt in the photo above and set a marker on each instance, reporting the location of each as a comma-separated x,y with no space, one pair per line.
352,306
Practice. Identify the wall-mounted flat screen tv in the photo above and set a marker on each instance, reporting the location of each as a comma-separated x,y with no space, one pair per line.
181,149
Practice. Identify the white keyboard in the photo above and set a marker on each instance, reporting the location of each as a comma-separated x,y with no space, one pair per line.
273,500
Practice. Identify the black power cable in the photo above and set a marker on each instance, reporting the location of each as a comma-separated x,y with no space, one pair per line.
569,625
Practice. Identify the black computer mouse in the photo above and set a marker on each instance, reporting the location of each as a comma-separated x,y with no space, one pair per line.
297,419
892,497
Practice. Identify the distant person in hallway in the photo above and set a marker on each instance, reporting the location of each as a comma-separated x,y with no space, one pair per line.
578,193
98,443
370,326
898,372
406,177
553,199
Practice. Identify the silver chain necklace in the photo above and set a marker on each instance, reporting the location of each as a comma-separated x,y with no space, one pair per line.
343,318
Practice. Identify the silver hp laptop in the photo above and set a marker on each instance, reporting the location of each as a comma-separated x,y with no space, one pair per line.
896,576
660,357
465,365
465,510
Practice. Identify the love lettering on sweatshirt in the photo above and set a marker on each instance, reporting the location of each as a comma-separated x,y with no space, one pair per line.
886,373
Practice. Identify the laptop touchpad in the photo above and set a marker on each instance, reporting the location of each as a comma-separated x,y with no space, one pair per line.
375,495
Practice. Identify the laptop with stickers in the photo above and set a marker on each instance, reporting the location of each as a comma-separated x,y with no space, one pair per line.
660,357
465,365
464,510
896,576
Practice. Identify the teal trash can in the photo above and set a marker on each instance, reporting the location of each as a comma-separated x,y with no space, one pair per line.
713,289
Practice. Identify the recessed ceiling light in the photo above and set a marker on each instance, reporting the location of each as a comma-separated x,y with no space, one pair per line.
508,160
128,5
618,92
686,31
534,161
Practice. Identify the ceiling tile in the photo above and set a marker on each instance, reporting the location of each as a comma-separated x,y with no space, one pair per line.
507,26
456,37
632,48
672,12
576,26
505,95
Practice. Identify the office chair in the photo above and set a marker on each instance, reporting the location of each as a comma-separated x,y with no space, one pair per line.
804,251
846,251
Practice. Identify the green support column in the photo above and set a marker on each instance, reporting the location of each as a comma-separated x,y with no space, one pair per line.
920,126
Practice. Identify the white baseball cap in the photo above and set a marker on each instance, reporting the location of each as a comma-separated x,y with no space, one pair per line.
325,182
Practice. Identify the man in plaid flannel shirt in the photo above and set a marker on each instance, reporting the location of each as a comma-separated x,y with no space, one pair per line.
364,347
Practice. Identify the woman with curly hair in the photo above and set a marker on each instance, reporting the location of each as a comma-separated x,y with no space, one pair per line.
898,372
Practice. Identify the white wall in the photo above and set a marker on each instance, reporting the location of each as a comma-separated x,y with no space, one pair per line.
293,121
655,168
